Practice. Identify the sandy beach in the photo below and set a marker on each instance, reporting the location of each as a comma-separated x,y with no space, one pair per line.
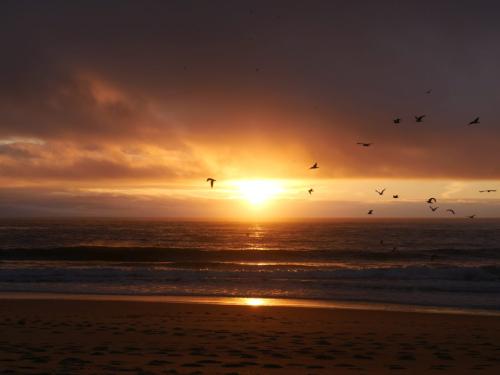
110,337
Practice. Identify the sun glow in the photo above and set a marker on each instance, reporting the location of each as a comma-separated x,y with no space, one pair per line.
257,192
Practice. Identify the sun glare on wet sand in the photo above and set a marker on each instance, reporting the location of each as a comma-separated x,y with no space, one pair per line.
254,301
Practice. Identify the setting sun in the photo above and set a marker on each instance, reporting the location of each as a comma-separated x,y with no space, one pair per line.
257,192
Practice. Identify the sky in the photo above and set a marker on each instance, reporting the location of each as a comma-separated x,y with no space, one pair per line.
124,108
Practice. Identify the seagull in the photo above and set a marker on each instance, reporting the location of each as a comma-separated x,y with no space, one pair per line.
395,196
397,120
364,144
370,212
314,166
381,192
211,180
475,121
310,191
431,200
471,216
487,191
433,208
419,118
450,210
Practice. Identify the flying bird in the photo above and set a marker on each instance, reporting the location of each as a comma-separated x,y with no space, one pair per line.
431,200
450,210
433,208
314,166
471,216
211,180
487,191
381,192
310,191
419,118
364,144
475,121
397,120
370,212
395,196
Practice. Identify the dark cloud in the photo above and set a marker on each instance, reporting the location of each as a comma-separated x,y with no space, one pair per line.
247,76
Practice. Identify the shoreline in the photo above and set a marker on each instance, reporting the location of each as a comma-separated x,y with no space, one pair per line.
67,336
250,301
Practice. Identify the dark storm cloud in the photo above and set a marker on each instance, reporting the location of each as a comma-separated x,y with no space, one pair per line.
323,73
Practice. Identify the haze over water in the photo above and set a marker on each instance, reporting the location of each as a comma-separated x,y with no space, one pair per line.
452,262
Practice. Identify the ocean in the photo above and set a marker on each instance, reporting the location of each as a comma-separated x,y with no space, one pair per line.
440,263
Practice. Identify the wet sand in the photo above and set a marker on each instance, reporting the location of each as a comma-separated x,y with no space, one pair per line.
113,337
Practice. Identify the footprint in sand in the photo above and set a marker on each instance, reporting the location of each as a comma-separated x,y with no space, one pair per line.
271,365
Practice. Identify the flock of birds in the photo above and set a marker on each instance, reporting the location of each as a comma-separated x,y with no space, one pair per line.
431,201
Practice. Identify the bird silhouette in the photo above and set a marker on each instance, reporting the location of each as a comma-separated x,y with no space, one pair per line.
397,120
431,200
419,118
364,144
475,121
428,91
395,196
433,208
450,210
471,216
314,166
370,212
310,191
381,192
211,180
487,191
